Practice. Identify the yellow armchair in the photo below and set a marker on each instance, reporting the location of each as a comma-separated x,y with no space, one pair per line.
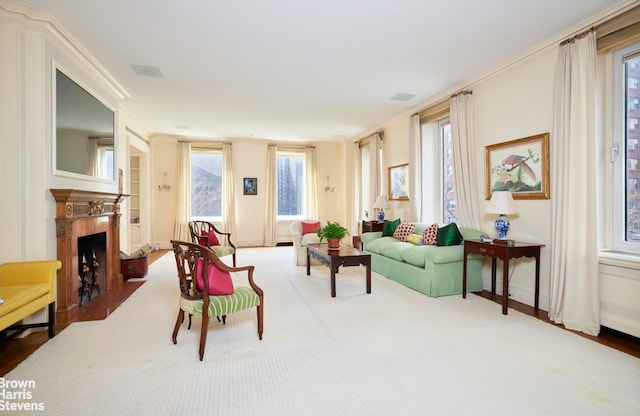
25,288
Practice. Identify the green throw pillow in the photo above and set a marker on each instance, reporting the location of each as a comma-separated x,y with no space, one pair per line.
449,235
389,227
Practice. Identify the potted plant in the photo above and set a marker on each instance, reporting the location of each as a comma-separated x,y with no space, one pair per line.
333,233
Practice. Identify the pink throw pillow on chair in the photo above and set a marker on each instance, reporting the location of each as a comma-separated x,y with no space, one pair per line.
208,238
220,282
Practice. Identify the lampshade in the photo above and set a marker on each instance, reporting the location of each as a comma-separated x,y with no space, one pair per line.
381,202
501,203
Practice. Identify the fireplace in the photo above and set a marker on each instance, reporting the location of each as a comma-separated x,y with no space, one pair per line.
80,214
92,266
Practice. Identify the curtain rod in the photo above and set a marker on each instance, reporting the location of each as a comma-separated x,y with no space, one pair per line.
578,36
465,92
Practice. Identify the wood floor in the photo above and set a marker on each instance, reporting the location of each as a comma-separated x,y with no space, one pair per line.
15,351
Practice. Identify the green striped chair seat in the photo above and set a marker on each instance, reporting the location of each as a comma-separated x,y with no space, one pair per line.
242,298
222,251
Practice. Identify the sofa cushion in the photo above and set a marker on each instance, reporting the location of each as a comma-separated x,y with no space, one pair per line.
403,231
394,250
430,235
415,255
310,227
309,239
415,239
375,246
389,227
449,235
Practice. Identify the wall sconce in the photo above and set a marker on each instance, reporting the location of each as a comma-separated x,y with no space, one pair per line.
165,186
328,188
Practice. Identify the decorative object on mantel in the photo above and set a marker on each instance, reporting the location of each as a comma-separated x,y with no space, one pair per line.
502,204
333,232
165,186
328,187
380,204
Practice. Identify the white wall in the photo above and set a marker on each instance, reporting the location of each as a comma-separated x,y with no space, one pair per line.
249,161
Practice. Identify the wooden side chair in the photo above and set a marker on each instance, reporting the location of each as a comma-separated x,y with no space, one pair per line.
206,234
206,289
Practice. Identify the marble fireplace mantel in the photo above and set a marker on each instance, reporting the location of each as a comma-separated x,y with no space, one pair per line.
78,214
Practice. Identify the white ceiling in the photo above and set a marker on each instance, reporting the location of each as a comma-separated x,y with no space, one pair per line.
302,70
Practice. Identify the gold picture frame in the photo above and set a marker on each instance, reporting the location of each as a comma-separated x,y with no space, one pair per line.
520,166
399,182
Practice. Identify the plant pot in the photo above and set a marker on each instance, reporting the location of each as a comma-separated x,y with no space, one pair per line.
334,243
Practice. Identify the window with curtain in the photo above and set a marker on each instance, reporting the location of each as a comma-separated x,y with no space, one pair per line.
105,161
291,180
626,152
206,185
367,210
447,188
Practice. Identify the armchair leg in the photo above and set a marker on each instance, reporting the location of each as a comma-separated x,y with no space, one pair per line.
203,334
260,327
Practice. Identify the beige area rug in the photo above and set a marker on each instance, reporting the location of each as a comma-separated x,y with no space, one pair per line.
393,352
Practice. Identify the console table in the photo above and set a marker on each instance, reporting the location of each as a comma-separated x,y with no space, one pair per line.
505,252
371,226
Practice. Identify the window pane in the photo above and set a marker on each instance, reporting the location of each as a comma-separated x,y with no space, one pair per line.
206,184
290,184
365,183
632,170
448,212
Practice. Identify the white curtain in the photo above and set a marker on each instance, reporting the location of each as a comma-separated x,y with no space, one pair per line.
92,151
228,191
415,169
311,182
356,194
574,293
183,196
375,182
464,166
271,197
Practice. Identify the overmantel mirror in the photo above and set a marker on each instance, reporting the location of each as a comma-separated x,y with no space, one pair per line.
84,132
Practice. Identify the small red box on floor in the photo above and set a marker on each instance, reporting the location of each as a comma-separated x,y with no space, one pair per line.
134,268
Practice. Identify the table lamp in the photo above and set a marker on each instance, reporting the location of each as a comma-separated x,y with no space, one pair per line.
380,204
502,204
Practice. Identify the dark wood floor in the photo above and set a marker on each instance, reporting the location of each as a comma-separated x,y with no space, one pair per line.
15,351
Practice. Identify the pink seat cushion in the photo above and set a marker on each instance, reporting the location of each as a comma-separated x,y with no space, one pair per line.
220,282
310,227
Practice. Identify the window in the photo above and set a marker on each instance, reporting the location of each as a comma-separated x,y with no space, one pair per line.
448,195
206,184
626,169
365,184
291,192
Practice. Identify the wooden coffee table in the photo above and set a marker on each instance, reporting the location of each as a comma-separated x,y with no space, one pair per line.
333,259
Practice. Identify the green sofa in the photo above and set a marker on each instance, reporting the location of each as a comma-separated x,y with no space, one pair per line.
432,270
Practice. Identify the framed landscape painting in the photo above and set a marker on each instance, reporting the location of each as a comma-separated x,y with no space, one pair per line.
520,166
399,182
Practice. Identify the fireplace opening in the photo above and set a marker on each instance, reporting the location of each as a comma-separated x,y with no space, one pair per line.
92,266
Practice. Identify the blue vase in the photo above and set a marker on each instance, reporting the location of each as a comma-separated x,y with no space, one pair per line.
502,226
381,215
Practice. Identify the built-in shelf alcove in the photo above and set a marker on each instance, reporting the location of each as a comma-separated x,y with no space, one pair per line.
79,214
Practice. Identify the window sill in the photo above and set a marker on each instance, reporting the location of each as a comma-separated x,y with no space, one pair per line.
620,258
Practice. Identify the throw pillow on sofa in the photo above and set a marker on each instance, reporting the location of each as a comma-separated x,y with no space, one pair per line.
430,235
449,235
310,227
389,227
403,231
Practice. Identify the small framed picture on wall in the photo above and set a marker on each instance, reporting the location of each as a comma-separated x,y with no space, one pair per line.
251,186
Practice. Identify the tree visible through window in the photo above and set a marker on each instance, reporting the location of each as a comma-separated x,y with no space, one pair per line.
290,168
206,184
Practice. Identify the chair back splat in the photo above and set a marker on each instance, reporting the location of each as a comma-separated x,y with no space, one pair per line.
206,234
206,289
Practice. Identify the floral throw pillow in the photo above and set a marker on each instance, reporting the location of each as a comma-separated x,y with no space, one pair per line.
403,231
430,235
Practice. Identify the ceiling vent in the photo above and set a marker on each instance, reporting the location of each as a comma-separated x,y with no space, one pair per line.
147,71
402,96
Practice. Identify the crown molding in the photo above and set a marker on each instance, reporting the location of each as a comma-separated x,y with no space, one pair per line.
47,23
